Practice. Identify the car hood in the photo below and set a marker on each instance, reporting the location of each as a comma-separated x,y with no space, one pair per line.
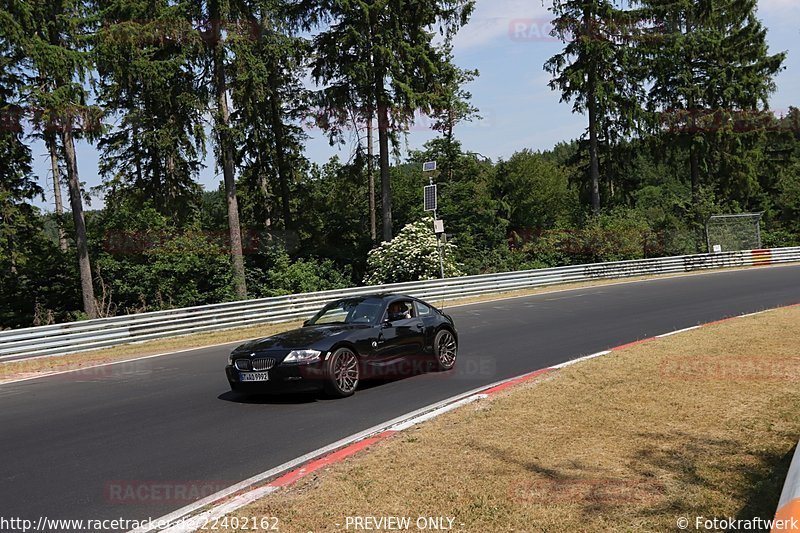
313,337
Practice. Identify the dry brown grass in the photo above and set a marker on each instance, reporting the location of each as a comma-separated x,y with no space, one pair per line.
698,424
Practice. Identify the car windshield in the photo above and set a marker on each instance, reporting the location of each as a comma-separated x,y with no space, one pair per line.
350,311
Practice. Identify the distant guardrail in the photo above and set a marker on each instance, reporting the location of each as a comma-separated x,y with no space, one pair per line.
787,517
60,339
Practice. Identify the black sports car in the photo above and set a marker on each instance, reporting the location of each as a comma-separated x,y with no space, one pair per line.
348,340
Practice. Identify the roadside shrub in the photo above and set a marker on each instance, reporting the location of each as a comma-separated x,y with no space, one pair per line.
273,273
412,255
615,236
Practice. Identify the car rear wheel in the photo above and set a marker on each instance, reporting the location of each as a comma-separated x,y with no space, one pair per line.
445,350
342,373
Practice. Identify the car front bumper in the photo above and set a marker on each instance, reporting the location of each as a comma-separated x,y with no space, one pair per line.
282,378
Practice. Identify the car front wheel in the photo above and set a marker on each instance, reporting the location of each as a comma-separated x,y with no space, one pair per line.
445,350
342,373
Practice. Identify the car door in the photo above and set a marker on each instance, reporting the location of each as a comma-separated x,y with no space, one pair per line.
401,337
428,318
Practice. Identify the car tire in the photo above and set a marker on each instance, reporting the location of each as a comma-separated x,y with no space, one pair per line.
342,373
445,350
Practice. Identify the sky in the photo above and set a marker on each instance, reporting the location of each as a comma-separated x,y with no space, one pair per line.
508,42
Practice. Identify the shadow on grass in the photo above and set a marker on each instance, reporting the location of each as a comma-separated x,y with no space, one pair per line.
709,470
670,475
763,500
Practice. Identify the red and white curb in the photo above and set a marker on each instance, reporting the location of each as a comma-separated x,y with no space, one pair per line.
194,516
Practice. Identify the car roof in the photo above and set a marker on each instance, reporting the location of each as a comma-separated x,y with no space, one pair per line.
385,296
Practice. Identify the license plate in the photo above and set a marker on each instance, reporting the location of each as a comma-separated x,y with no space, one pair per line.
254,376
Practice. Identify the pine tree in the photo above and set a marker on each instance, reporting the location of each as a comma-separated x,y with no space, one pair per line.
52,35
217,18
17,187
269,101
709,62
146,55
451,105
383,51
595,71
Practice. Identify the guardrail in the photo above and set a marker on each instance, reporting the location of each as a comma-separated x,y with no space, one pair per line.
789,504
60,339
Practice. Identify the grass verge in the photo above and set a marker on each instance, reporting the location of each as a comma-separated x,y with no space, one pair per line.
700,424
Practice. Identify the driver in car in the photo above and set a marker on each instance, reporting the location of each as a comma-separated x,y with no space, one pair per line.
398,311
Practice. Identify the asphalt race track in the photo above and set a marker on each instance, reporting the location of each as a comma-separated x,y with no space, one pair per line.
137,440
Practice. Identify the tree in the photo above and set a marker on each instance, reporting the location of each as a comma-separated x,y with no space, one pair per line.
18,218
219,16
269,100
146,55
52,37
384,50
708,62
451,105
595,71
534,193
32,274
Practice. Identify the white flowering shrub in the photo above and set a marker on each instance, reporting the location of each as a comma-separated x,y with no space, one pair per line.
411,256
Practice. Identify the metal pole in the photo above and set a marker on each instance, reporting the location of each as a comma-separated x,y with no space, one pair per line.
441,256
438,242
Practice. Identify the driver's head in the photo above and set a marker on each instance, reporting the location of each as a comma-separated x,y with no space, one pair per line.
395,309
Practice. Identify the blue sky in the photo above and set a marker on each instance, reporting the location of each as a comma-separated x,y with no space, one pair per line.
507,41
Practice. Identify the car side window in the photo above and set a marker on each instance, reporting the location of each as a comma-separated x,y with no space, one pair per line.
423,311
402,310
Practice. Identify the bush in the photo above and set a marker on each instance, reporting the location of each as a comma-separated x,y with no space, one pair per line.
183,270
413,255
616,236
274,274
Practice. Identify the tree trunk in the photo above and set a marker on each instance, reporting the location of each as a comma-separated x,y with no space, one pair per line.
594,165
591,103
53,150
76,203
386,188
373,231
226,152
450,156
284,172
694,169
694,164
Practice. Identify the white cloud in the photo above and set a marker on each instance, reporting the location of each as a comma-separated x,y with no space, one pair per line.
496,19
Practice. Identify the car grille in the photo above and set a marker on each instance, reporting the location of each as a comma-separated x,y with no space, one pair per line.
245,364
259,365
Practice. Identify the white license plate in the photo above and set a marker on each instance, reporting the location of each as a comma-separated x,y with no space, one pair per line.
254,376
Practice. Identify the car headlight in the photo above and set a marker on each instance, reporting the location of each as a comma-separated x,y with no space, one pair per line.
303,356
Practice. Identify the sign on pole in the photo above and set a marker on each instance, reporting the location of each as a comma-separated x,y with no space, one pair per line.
430,198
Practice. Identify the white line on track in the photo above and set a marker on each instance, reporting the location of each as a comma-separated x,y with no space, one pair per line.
677,331
580,359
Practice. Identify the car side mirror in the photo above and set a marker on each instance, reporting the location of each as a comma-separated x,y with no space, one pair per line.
386,323
305,322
